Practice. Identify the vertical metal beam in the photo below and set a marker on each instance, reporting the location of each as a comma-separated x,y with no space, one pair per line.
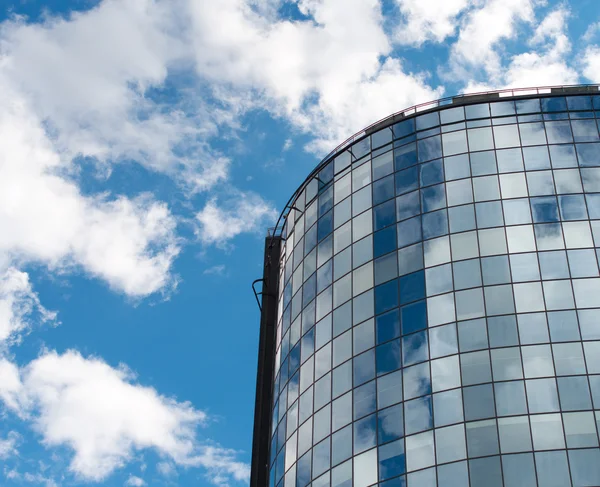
259,476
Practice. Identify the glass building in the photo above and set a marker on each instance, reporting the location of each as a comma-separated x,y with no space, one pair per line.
434,313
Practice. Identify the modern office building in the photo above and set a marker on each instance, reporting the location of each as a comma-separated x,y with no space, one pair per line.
431,306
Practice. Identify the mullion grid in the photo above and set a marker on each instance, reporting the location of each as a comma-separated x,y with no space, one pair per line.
510,270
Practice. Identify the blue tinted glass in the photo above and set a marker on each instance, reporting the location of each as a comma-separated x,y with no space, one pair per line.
432,173
572,207
430,148
518,470
588,154
341,445
391,460
388,357
310,240
412,287
407,180
414,317
381,138
383,189
326,174
527,106
559,132
579,102
387,326
364,367
433,198
414,350
365,400
554,104
418,415
384,214
585,130
593,201
453,475
326,201
365,434
390,424
481,110
409,232
435,224
552,469
384,241
386,296
544,209
585,467
303,468
427,121
361,148
309,290
397,482
451,115
408,205
478,402
402,129
502,108
485,472
405,156
325,225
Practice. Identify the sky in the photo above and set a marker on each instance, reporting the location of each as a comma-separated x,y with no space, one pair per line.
145,148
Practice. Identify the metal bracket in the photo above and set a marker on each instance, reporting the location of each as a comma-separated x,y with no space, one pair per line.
256,295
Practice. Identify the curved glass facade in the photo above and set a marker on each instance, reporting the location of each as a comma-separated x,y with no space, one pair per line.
439,304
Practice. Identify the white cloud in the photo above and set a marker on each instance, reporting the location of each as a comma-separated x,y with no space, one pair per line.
478,56
94,96
591,63
134,481
481,32
105,417
287,145
217,270
8,445
428,20
165,468
548,65
19,306
44,218
591,32
244,212
10,384
330,76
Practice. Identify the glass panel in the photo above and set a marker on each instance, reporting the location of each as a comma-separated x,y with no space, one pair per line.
514,434
585,467
482,438
419,451
448,407
552,469
510,398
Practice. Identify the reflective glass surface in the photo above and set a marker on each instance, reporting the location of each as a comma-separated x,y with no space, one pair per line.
439,305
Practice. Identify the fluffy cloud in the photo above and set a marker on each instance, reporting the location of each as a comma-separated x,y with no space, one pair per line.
244,212
329,76
134,481
103,108
591,63
428,20
104,416
20,307
8,445
483,29
44,218
547,65
479,56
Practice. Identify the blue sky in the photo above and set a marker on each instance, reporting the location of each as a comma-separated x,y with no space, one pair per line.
145,146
